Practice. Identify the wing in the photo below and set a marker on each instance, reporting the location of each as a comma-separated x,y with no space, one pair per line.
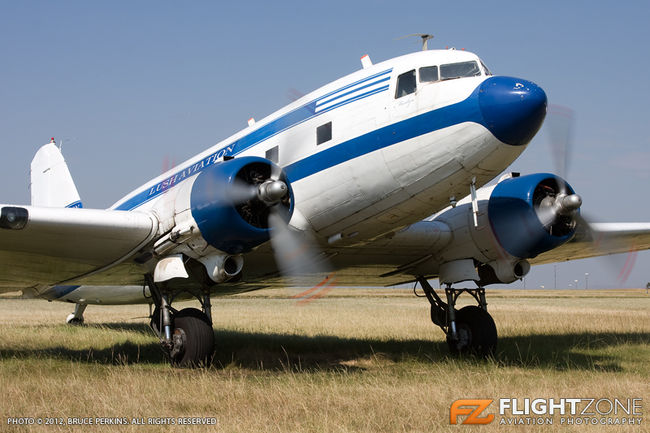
45,246
602,239
418,249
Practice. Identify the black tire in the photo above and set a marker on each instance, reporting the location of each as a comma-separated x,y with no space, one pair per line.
192,327
477,333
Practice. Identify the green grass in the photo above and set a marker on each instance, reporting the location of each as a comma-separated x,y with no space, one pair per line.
354,361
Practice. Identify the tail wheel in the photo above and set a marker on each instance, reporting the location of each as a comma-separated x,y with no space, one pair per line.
193,339
477,333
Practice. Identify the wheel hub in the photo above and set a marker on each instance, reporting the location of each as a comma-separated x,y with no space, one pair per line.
463,337
178,344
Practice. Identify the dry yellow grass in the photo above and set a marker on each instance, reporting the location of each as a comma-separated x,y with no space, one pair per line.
357,360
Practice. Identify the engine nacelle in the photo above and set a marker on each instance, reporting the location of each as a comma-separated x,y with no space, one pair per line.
230,203
516,219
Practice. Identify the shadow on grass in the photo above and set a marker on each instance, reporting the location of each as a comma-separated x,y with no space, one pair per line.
268,351
278,351
575,351
127,352
305,353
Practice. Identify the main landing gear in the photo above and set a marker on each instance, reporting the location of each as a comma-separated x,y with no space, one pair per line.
186,336
470,330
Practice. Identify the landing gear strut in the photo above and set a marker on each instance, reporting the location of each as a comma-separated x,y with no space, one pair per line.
76,317
470,329
186,336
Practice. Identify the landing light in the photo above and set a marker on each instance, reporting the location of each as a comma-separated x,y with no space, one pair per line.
13,218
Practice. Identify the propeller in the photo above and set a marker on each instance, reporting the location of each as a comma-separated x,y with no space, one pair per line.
560,207
557,207
240,192
559,129
300,261
263,199
296,251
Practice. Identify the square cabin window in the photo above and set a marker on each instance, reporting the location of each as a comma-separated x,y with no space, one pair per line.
324,133
429,74
405,84
272,154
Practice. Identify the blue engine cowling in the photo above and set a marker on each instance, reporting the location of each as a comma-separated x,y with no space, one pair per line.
225,221
513,214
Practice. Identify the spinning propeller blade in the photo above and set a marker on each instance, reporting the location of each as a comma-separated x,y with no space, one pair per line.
559,128
264,198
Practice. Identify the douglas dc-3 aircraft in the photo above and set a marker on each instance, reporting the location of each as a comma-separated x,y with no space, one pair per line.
377,178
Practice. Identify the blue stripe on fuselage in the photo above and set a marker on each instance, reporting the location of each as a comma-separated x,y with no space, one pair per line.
281,124
465,111
339,96
349,86
352,99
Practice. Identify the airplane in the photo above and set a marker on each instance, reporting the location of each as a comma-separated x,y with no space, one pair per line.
381,177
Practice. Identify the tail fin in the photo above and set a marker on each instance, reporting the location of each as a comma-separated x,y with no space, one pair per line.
51,182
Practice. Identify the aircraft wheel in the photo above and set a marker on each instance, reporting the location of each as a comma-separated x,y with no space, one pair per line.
73,320
477,333
77,316
193,339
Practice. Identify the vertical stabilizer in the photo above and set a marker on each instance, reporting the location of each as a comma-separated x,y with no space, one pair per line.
51,183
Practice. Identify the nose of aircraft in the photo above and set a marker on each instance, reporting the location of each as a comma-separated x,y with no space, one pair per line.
513,109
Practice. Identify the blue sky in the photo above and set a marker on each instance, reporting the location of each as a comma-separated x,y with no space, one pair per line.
130,85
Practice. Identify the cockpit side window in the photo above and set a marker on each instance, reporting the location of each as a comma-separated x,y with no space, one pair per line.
429,74
459,70
405,84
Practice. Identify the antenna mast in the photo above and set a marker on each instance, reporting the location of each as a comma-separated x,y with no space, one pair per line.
424,36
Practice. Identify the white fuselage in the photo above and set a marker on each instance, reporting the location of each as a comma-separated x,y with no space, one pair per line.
384,161
365,189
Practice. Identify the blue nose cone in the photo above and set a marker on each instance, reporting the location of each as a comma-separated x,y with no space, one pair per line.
513,109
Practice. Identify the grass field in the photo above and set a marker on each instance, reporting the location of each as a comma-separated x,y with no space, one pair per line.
357,360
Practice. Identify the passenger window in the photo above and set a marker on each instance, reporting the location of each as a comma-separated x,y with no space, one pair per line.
273,154
428,74
324,133
405,84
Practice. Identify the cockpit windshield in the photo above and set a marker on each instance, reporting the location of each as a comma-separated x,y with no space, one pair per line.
459,70
485,68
